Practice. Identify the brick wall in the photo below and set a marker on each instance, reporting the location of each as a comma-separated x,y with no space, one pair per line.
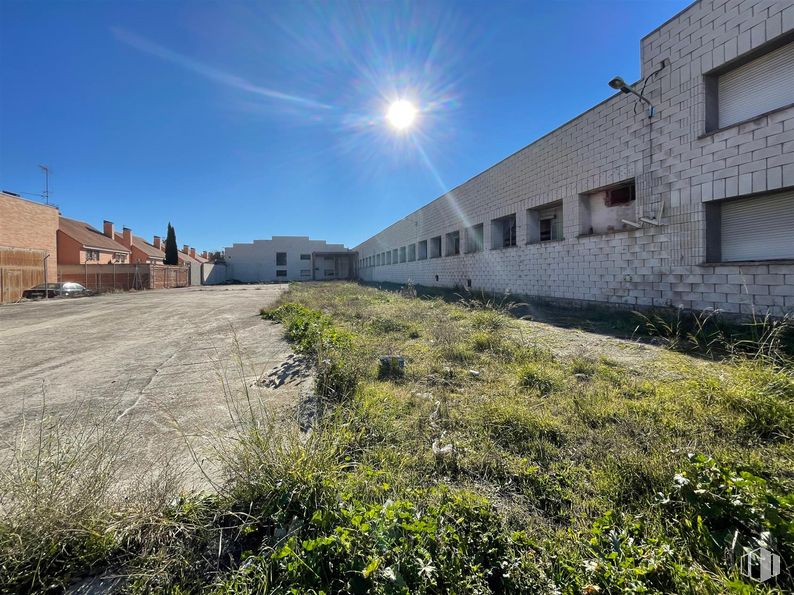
27,224
670,157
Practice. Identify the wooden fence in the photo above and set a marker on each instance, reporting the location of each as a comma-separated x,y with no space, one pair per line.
124,277
20,269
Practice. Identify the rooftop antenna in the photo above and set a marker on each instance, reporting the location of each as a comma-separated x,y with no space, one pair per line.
46,194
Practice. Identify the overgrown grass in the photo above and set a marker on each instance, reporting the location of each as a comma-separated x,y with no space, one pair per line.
494,463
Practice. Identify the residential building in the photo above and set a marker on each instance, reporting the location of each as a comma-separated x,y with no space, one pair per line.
289,258
26,224
689,205
28,245
79,243
141,251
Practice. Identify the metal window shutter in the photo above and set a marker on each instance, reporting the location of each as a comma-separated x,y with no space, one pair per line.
759,86
760,228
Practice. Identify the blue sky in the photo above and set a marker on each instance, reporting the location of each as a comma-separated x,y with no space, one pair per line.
238,120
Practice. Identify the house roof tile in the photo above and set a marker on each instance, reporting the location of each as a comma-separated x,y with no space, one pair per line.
88,236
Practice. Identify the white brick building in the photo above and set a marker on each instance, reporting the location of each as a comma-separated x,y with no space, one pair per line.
289,258
574,214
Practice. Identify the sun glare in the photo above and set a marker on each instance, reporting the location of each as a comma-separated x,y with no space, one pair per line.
401,114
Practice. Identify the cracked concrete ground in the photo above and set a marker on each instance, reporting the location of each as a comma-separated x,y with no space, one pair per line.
159,365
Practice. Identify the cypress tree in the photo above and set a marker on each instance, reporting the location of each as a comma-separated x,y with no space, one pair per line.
171,253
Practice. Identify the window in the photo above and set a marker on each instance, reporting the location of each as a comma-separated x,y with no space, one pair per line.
394,256
282,273
91,255
757,86
474,239
306,273
544,224
421,250
503,232
411,252
608,209
281,259
435,247
119,257
752,228
388,257
402,254
453,243
306,256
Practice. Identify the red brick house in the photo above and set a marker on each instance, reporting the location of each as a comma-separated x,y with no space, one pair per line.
141,250
79,243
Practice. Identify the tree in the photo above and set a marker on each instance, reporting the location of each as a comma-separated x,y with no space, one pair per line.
171,253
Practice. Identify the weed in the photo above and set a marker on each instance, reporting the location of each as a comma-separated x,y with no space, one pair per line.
536,376
494,463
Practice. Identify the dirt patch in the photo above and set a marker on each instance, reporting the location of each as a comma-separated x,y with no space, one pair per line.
169,368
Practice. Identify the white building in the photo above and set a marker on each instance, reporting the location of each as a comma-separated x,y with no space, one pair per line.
289,258
692,206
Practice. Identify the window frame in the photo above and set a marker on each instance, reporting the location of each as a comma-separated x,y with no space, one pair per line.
421,250
711,85
432,247
453,238
472,243
511,239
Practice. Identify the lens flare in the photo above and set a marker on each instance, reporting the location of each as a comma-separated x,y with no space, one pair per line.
401,114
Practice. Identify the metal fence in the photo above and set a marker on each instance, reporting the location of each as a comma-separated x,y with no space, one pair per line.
124,277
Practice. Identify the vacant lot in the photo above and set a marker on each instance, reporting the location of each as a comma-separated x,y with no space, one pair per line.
507,456
157,364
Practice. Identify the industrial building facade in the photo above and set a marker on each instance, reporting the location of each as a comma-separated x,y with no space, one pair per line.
692,206
289,258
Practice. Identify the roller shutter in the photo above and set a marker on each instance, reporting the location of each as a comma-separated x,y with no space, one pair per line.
757,87
759,228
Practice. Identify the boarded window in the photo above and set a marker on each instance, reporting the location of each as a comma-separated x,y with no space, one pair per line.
403,254
411,252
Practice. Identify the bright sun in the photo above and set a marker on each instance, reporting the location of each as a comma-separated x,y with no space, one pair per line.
401,114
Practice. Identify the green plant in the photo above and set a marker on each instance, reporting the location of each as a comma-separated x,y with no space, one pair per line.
540,377
725,509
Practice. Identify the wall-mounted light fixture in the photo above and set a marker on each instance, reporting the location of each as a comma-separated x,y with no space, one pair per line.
619,84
